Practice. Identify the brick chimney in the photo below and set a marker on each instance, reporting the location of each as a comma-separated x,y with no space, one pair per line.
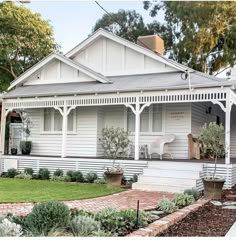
152,42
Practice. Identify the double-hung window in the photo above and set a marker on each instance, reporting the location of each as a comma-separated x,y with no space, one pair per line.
52,121
150,119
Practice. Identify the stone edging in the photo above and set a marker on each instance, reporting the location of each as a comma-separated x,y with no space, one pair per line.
159,226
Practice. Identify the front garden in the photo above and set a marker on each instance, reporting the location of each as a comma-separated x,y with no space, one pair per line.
28,186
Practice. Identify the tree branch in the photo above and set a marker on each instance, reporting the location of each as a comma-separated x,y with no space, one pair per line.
9,71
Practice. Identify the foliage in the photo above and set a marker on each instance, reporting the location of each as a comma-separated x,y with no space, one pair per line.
115,142
101,233
192,192
83,226
166,205
100,181
10,229
11,173
120,222
23,176
25,40
44,173
74,212
126,24
58,173
182,200
200,34
134,178
29,171
57,179
211,136
76,176
67,178
47,216
91,177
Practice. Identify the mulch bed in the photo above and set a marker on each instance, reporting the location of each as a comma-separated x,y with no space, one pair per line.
208,221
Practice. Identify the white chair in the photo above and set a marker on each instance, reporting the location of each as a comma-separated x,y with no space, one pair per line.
158,146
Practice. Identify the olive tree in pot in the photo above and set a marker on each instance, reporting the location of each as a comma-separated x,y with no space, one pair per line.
115,142
26,145
211,136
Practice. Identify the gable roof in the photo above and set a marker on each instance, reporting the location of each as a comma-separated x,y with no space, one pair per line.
22,78
103,33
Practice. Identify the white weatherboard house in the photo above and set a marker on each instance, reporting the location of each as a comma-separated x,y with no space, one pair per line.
108,81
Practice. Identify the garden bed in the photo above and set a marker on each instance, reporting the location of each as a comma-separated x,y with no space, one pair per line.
208,221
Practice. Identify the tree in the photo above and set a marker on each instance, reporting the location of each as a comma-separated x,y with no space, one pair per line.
126,24
203,34
24,40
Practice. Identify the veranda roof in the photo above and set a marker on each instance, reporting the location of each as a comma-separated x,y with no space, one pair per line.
144,82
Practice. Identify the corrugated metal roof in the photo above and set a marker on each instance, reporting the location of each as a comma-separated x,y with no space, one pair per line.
157,81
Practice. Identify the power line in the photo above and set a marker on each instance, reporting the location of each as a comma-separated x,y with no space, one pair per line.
120,23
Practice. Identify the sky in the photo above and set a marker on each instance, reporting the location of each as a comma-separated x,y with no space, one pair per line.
73,21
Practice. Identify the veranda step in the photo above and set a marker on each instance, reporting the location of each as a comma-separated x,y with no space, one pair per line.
160,187
167,180
175,165
157,172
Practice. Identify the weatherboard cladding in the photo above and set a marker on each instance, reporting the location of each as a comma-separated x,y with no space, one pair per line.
157,81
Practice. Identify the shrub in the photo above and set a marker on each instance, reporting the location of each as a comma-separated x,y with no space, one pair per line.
58,173
57,179
166,205
101,233
134,178
115,142
47,216
10,229
29,171
182,200
44,173
76,176
192,192
91,177
74,212
84,226
100,181
11,173
23,176
67,178
120,222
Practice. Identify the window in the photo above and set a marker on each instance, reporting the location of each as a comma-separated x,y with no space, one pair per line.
157,118
52,121
150,119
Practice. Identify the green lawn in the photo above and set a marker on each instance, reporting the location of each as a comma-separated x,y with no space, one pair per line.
20,190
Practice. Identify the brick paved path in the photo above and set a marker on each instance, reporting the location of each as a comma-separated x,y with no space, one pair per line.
123,200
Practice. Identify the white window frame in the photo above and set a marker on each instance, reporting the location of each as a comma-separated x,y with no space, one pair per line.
52,123
150,124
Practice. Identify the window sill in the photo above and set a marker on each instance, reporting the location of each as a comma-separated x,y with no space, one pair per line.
57,133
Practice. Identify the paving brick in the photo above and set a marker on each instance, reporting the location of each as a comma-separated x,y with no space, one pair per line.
123,200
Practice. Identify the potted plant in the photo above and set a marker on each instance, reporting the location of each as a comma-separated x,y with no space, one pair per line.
211,136
115,142
26,145
13,151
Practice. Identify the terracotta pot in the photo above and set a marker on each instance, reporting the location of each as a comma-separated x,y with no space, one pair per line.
213,188
113,179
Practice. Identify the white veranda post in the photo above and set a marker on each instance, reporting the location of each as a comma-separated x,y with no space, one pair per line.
64,112
228,107
137,111
227,110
